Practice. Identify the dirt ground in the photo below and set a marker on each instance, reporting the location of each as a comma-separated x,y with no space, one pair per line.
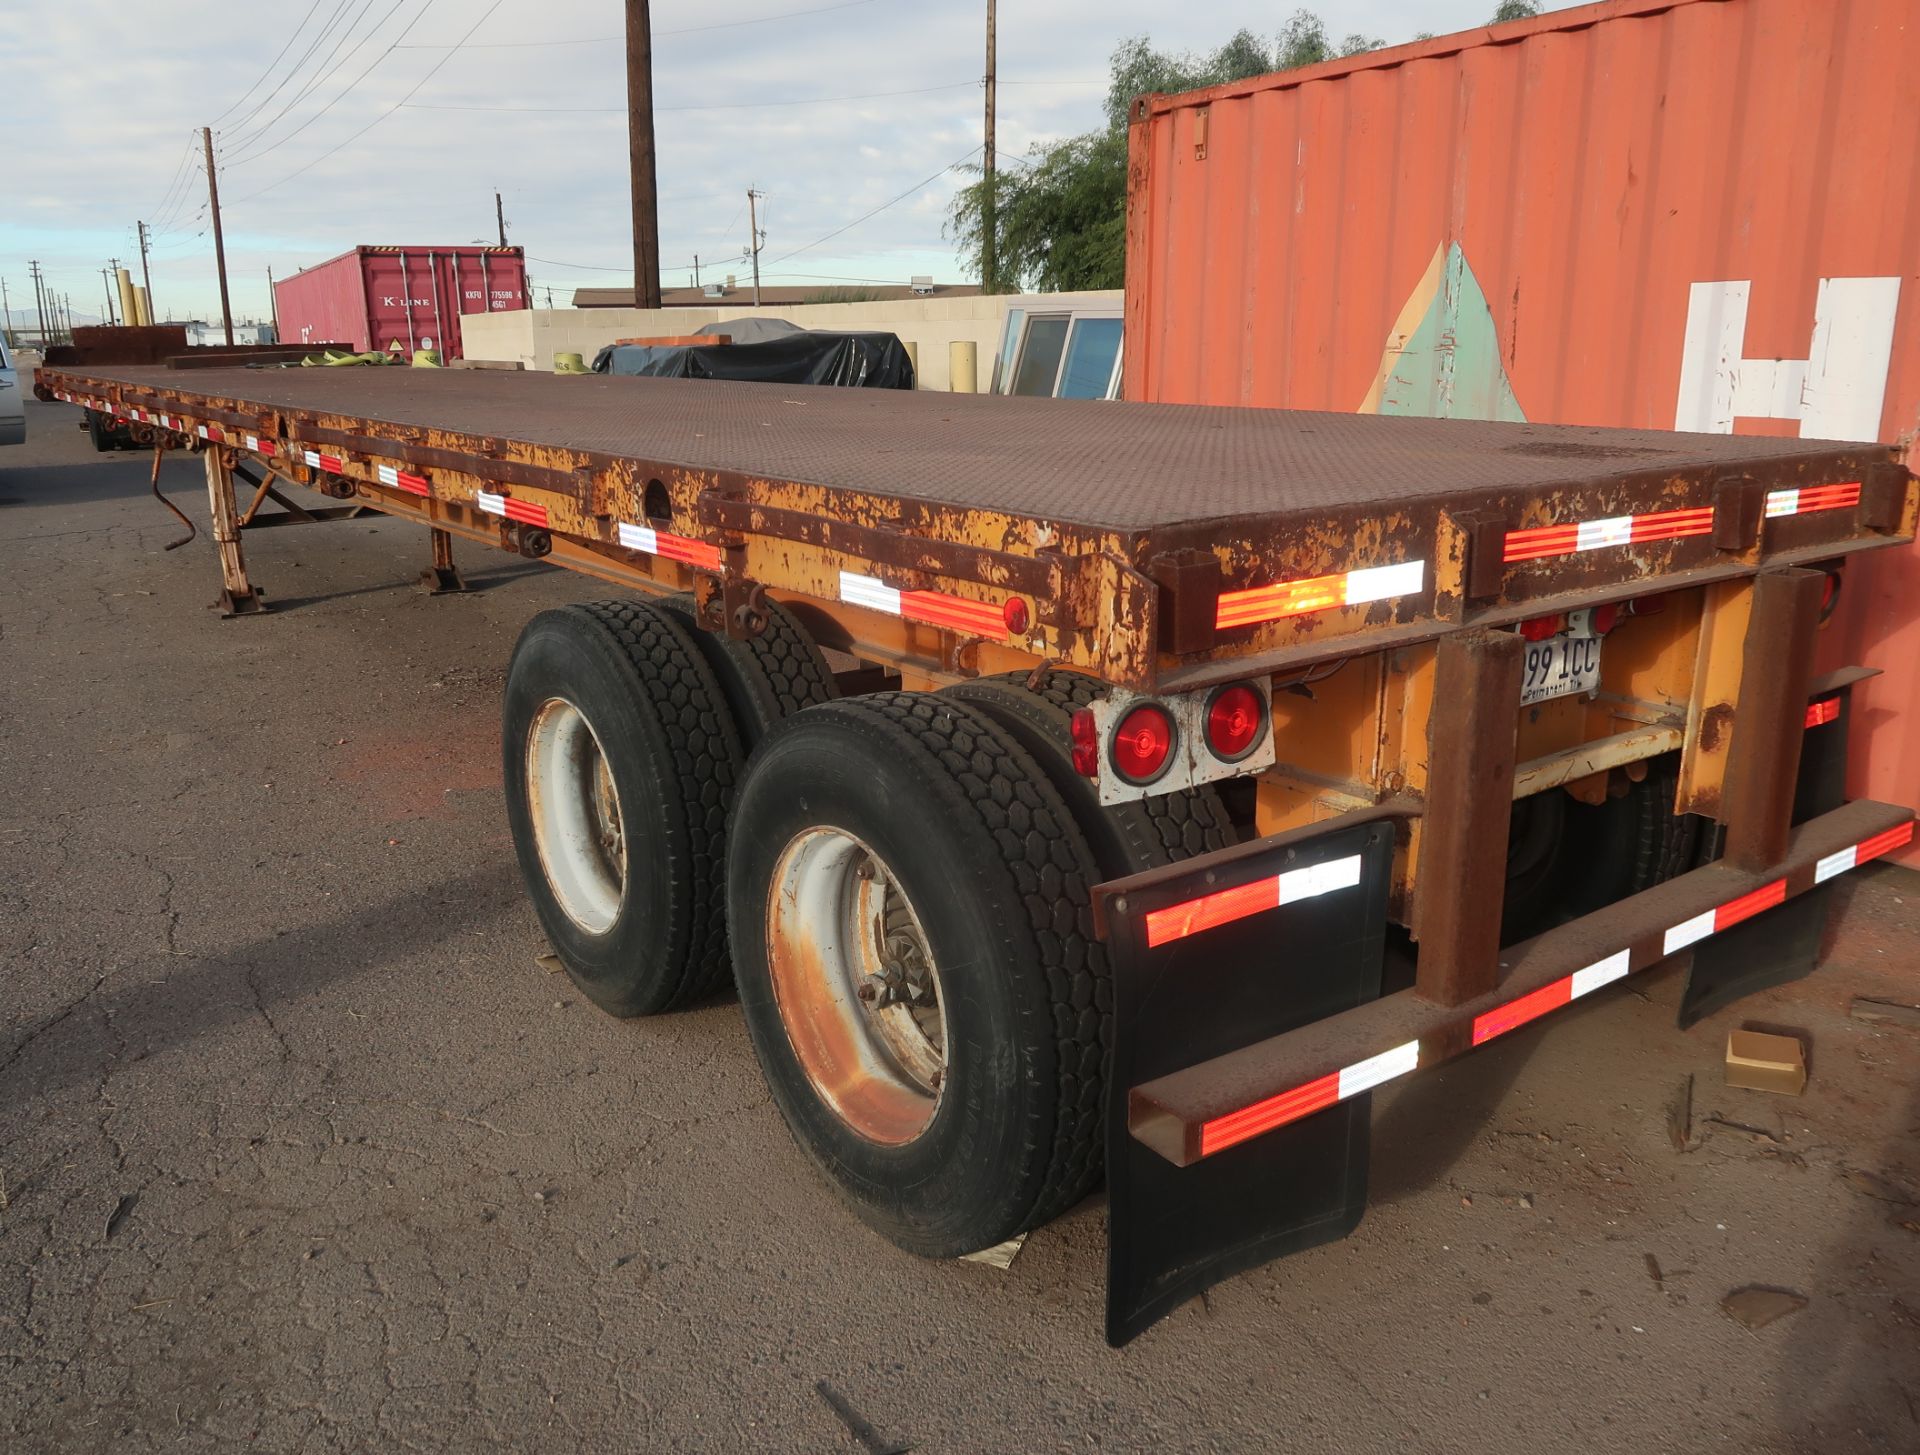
301,1150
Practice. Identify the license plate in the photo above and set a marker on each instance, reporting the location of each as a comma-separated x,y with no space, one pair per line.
1559,667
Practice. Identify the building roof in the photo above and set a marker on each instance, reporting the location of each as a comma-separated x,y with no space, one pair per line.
741,295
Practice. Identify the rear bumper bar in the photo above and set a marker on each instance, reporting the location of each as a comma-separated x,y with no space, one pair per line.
1205,1108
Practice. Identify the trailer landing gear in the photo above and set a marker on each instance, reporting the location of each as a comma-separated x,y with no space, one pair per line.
442,578
238,595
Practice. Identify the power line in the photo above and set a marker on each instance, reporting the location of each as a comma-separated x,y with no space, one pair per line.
270,64
598,268
186,156
684,30
717,106
294,69
323,73
349,88
485,15
928,182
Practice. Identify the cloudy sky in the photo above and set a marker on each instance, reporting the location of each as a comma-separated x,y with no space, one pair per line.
341,122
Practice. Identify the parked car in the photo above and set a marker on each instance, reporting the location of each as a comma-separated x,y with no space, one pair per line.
13,411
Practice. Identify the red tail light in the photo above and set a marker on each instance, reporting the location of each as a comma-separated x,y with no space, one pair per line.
1086,744
1143,744
1605,618
1236,722
1014,613
1539,628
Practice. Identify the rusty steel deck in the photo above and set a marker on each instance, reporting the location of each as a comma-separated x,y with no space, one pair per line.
1156,546
1091,464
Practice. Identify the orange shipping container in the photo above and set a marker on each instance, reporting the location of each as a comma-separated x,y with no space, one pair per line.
1696,215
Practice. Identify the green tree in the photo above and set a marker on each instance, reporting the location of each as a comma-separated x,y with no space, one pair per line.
1514,10
1061,212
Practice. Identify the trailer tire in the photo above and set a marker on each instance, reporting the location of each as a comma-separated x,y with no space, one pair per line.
1567,858
1127,838
98,431
765,678
611,703
917,811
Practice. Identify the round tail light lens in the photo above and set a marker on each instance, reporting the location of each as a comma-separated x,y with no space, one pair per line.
1142,747
1539,628
1236,722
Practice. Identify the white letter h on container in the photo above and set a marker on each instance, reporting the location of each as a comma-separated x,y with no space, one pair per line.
1836,393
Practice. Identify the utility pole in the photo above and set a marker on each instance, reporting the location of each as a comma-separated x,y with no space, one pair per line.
107,275
989,210
39,296
500,216
646,201
6,311
273,298
755,239
696,270
146,278
219,243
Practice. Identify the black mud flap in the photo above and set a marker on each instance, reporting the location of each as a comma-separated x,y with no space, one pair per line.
1174,1231
1782,945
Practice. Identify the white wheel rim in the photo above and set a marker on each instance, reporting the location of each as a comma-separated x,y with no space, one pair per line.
577,824
856,985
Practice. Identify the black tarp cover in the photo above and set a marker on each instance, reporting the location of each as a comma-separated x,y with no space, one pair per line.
855,360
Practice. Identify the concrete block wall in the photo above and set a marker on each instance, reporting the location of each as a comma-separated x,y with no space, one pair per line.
534,336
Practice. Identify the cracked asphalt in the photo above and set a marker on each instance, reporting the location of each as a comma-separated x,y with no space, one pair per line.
301,1149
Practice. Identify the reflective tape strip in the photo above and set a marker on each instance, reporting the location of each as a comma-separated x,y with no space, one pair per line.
1317,1095
1809,498
312,457
858,590
935,608
1861,853
1564,991
1539,542
1691,931
1821,713
673,547
402,479
1318,593
1886,843
523,511
1838,862
1224,906
1601,972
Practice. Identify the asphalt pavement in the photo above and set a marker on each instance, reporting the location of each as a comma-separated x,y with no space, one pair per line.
303,1149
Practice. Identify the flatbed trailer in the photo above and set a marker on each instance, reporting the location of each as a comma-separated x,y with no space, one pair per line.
1185,772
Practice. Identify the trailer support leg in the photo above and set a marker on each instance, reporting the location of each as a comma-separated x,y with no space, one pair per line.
238,595
1463,835
442,577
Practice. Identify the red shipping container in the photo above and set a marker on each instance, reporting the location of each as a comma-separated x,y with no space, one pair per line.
376,297
1690,214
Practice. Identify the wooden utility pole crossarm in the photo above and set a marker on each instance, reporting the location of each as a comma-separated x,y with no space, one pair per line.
646,209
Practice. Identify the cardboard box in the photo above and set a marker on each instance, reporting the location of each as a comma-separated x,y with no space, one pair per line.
1761,1062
